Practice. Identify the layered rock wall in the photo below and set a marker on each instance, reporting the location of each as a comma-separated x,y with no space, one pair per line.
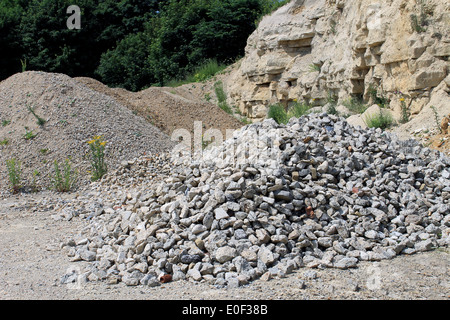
317,50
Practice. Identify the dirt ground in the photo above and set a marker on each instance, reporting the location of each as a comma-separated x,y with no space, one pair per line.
32,264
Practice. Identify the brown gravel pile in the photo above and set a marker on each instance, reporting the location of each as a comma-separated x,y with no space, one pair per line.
172,108
72,114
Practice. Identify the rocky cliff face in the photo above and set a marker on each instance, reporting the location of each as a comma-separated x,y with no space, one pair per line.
317,50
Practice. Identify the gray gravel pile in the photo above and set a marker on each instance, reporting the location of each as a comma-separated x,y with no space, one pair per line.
113,190
315,193
72,114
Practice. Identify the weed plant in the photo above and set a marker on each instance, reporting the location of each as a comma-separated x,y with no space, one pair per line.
405,111
99,168
29,134
14,174
40,121
222,97
436,119
64,180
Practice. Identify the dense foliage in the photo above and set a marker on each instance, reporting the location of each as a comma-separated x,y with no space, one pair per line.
127,43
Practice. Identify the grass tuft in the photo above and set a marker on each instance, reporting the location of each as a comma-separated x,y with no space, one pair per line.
298,110
280,115
277,113
222,97
379,120
355,105
29,134
202,73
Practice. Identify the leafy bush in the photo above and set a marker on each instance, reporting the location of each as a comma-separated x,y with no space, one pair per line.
418,22
10,37
332,109
36,37
127,66
332,104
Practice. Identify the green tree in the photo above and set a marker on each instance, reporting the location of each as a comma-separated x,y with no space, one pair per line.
46,42
127,65
224,31
10,47
126,43
36,31
184,35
